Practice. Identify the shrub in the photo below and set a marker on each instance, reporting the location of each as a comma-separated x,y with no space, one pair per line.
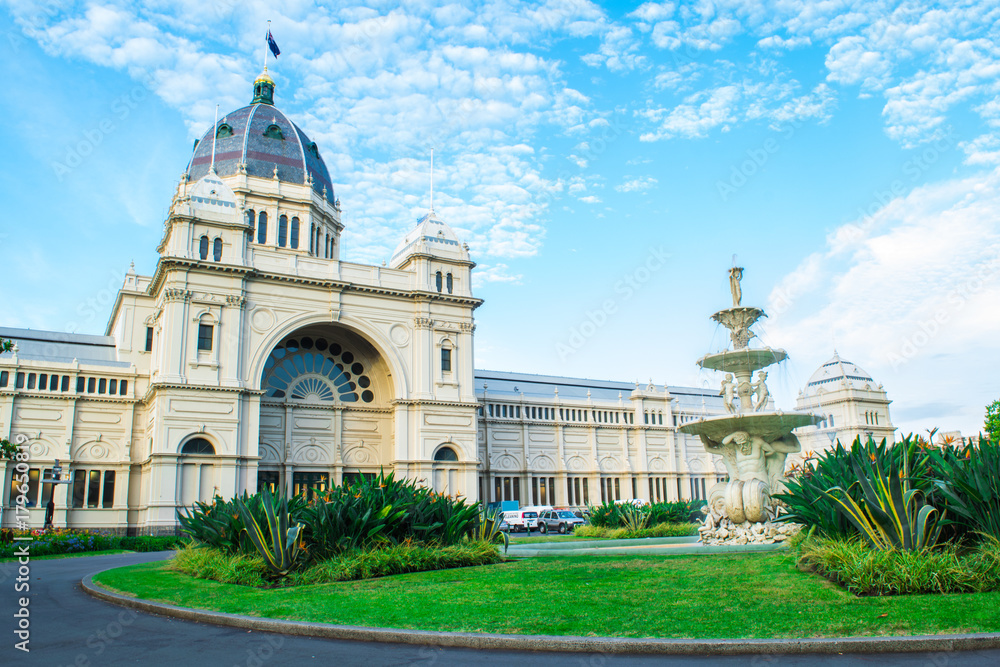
970,485
659,530
69,541
618,515
850,563
219,524
250,570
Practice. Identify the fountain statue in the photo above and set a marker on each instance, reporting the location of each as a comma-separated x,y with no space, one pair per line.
752,438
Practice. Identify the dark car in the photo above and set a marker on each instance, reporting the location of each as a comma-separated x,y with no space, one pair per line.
562,521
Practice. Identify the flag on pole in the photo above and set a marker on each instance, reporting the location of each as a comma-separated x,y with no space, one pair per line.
271,44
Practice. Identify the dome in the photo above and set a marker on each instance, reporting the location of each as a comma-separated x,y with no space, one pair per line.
211,198
837,372
262,138
431,236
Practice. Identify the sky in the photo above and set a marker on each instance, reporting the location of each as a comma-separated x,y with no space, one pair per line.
605,162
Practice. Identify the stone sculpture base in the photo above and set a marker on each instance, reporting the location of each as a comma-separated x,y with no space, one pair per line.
718,529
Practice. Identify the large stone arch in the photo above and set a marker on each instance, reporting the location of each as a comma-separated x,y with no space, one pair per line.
386,349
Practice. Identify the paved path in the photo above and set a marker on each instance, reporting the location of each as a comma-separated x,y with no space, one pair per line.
69,627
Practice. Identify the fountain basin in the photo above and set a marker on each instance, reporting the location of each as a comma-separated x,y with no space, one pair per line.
745,360
768,425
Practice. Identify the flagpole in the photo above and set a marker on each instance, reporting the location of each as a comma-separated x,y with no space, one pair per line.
432,180
215,133
265,43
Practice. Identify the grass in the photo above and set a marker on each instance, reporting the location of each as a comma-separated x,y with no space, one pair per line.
659,530
721,596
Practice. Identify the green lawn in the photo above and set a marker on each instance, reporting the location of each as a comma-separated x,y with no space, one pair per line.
75,554
723,596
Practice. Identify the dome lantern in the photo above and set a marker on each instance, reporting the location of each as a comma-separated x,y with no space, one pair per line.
263,89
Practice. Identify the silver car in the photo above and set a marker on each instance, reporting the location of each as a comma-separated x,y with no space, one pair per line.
562,521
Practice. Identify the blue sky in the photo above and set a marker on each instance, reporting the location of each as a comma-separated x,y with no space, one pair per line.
604,161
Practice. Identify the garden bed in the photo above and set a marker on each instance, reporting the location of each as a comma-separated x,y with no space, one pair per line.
626,596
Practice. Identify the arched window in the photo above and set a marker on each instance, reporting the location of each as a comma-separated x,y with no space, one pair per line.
217,249
251,222
437,280
327,244
319,236
445,454
274,132
451,283
295,233
262,227
198,446
312,238
203,247
225,130
282,231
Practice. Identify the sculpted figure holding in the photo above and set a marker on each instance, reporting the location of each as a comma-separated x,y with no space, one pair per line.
735,276
760,390
728,393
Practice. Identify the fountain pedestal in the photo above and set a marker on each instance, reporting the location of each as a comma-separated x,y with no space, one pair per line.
752,440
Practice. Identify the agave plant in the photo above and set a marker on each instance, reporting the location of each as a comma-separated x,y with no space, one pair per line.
488,528
890,515
634,518
280,545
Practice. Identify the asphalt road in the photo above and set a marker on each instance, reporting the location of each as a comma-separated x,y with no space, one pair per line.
68,627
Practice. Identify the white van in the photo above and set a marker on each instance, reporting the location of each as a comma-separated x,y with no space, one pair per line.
522,519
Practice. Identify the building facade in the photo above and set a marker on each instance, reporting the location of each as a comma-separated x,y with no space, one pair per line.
253,356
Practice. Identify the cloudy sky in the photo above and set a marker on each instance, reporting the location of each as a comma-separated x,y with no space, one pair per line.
604,161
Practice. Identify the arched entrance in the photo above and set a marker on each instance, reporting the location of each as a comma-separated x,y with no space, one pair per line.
444,471
326,410
197,472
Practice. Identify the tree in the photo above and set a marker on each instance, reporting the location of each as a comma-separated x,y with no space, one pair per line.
7,448
6,345
992,426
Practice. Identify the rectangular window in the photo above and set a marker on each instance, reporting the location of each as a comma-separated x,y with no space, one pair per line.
19,382
94,488
4,378
149,339
113,387
652,496
268,479
506,488
43,381
32,495
635,488
205,337
309,482
497,495
53,383
542,491
46,488
31,380
618,490
91,385
80,384
65,383
446,360
102,386
586,493
534,490
108,493
123,388
79,487
517,489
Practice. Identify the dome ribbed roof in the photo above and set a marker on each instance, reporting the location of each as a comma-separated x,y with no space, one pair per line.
432,236
836,371
262,138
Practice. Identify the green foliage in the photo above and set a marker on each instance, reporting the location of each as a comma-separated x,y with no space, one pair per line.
68,541
488,528
616,515
659,530
251,570
890,515
280,545
805,496
634,518
6,345
384,510
865,571
970,485
7,449
992,425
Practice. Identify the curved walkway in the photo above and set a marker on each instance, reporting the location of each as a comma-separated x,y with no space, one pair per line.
68,627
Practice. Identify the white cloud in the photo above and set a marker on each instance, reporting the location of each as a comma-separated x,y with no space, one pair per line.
497,273
914,290
590,199
641,184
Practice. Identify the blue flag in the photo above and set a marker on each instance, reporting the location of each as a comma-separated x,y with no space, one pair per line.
271,44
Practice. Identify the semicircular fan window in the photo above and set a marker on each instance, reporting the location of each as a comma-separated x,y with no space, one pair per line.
315,370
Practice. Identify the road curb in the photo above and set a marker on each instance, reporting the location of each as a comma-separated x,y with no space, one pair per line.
609,645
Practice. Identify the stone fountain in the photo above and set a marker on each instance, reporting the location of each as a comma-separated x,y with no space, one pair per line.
752,438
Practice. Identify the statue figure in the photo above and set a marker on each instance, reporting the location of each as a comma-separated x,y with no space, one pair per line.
749,454
760,389
735,276
775,454
729,393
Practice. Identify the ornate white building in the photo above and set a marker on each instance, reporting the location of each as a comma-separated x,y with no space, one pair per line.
853,404
254,356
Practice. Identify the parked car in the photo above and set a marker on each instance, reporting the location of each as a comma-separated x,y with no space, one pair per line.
518,520
562,521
